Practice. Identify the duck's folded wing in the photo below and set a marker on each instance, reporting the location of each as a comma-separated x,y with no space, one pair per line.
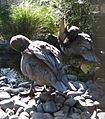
87,49
47,53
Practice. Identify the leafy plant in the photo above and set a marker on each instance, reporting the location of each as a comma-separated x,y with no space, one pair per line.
29,19
76,12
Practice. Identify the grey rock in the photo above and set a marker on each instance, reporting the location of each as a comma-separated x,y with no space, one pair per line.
4,78
80,85
4,95
75,116
13,117
85,115
101,115
45,96
59,113
24,115
59,99
16,90
49,116
38,115
19,111
40,108
6,104
70,101
3,115
18,104
59,117
10,112
49,107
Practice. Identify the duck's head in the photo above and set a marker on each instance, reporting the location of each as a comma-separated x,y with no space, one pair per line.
19,43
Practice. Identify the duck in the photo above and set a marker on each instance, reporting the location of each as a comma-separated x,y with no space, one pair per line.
78,46
40,62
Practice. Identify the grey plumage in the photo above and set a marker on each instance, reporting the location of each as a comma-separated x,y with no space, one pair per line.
40,62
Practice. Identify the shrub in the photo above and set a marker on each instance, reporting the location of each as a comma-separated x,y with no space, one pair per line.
77,12
29,19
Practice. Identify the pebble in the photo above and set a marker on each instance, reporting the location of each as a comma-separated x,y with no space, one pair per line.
38,115
75,116
85,115
44,96
101,115
3,115
4,95
18,104
59,99
13,117
24,115
10,112
40,108
59,113
70,101
49,107
19,111
4,104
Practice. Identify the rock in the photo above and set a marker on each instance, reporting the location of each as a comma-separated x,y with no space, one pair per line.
49,116
3,115
75,116
19,111
18,104
4,95
4,78
38,115
59,99
49,107
59,113
13,117
70,101
80,85
9,112
101,115
59,117
24,115
40,108
44,96
85,115
4,104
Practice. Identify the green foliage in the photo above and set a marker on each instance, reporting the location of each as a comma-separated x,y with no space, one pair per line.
76,12
29,19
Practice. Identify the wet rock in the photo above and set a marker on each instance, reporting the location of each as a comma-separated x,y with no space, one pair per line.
9,112
24,115
18,104
19,111
4,95
49,107
4,104
3,115
85,115
13,117
70,101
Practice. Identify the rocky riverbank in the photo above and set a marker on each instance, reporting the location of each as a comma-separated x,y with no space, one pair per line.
47,104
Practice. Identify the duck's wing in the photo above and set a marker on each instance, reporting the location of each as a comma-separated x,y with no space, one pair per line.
48,54
86,47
